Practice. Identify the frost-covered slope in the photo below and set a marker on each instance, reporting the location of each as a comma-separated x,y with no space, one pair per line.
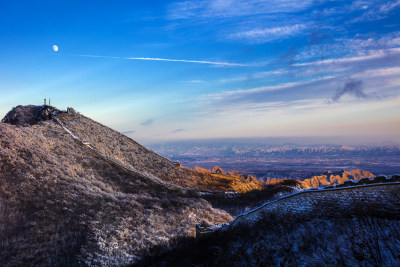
60,204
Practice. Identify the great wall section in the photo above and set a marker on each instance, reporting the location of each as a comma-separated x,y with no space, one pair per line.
381,199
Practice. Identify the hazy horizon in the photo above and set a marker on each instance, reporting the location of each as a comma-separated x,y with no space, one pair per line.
372,141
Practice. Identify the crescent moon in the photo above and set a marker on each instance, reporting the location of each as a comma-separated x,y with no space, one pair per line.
55,48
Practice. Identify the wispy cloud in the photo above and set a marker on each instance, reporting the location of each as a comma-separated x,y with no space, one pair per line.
232,8
259,94
215,63
254,76
364,51
373,54
147,122
360,10
267,34
380,72
178,130
366,41
226,64
128,132
195,81
377,11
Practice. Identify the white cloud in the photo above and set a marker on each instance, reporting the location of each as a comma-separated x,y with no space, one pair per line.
377,12
195,81
244,93
393,72
231,8
352,50
373,54
226,64
215,63
254,76
388,7
267,34
389,40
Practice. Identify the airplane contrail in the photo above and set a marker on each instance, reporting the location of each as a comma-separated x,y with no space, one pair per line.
216,63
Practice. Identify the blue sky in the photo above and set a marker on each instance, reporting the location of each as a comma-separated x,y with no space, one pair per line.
171,70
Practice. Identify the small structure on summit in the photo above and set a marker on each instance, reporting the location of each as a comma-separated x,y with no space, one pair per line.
45,102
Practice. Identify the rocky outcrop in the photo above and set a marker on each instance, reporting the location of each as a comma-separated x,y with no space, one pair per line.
30,115
336,178
218,170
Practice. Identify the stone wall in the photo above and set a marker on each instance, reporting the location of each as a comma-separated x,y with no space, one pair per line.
381,200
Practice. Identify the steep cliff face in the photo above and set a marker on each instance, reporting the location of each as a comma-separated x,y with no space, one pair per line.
61,204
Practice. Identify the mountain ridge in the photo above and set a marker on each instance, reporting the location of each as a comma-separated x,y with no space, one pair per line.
330,178
60,204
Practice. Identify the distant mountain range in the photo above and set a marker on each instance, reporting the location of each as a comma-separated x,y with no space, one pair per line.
288,161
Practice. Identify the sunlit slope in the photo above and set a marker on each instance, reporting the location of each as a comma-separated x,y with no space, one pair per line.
126,150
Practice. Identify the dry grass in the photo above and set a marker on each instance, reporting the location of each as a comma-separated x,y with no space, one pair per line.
60,204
